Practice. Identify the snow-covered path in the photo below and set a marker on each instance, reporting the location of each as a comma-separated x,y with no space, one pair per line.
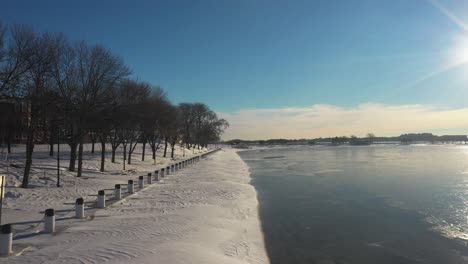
206,213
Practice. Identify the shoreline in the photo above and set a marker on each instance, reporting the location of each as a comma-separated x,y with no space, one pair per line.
207,213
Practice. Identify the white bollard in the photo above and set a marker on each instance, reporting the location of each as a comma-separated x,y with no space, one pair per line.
141,182
162,173
172,168
49,222
131,187
168,170
6,240
79,208
150,179
101,202
156,176
118,192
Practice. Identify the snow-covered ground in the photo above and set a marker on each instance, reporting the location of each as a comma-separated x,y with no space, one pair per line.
22,205
205,213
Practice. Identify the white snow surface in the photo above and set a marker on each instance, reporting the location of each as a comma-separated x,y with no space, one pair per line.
204,213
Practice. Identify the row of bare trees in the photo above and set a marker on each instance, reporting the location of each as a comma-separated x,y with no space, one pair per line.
77,92
199,125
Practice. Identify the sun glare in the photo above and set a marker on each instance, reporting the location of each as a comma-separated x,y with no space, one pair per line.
460,52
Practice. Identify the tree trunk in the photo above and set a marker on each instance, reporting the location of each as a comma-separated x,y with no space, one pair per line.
51,149
165,147
130,154
153,149
125,155
9,136
92,146
29,151
113,155
172,151
73,146
80,158
103,155
51,139
143,151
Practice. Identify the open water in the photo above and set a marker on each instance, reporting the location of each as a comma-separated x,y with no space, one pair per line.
363,204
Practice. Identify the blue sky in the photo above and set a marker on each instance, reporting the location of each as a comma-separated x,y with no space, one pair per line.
252,54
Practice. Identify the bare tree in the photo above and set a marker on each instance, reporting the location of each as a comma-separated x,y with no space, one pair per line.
14,56
199,125
211,130
170,127
173,128
38,82
115,138
133,99
187,120
89,74
154,110
15,59
101,125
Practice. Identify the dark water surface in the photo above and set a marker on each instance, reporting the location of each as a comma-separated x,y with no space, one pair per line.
369,204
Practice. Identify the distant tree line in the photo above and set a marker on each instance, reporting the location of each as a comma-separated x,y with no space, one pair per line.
370,138
75,92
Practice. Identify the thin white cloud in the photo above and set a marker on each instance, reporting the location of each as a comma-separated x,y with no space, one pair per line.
450,15
327,120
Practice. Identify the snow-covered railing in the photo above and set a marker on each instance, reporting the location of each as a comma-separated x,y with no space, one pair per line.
6,230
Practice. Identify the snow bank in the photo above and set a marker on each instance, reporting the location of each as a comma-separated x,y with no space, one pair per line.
206,213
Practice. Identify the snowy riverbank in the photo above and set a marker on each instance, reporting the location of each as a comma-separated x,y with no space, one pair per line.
206,213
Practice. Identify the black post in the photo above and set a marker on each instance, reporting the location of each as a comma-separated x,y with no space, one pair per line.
2,186
58,158
79,201
49,212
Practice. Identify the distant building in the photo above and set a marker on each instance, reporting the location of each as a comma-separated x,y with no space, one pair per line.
453,138
13,118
